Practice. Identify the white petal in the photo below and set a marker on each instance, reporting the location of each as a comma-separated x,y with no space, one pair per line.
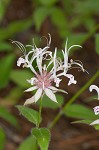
31,89
57,90
29,101
95,122
71,77
50,94
94,87
38,94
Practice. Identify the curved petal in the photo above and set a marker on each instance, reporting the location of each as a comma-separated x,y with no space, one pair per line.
31,89
95,122
94,87
29,101
57,90
38,94
50,94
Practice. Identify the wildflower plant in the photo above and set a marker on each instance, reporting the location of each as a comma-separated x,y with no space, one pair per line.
45,81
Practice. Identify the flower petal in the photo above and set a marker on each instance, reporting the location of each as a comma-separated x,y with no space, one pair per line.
29,101
94,87
31,89
38,94
95,122
57,90
50,94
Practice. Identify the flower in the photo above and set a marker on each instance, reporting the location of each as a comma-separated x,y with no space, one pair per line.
94,87
96,108
46,73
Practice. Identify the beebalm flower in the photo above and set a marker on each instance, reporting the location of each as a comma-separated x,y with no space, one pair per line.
96,108
47,73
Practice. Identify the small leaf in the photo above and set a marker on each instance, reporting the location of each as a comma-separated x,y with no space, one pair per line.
15,27
57,13
8,117
48,2
30,114
43,137
20,77
97,43
50,104
29,143
80,111
2,139
40,15
6,65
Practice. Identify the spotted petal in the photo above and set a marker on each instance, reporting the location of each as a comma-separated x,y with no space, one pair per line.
50,94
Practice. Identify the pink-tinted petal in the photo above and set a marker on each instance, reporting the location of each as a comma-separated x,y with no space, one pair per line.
50,94
31,89
29,101
38,94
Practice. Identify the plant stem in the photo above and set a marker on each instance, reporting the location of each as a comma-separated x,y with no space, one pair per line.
40,110
73,99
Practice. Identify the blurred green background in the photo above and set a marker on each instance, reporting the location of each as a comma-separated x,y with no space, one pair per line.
27,19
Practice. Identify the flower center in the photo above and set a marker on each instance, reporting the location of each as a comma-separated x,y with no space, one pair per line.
43,80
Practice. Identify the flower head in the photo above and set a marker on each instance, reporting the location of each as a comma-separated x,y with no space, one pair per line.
46,73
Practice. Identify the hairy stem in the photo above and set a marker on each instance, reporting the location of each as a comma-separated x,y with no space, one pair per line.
73,99
40,110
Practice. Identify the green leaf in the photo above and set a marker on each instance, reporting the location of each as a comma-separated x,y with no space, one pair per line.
79,111
13,97
15,27
48,2
83,121
97,43
29,143
96,126
8,116
5,47
40,15
20,76
2,139
3,7
57,13
30,114
6,65
43,137
50,104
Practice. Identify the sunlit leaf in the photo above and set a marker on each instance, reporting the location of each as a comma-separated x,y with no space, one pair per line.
6,65
29,143
43,137
30,114
2,139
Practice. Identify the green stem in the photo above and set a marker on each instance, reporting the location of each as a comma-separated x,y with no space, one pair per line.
73,99
40,110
